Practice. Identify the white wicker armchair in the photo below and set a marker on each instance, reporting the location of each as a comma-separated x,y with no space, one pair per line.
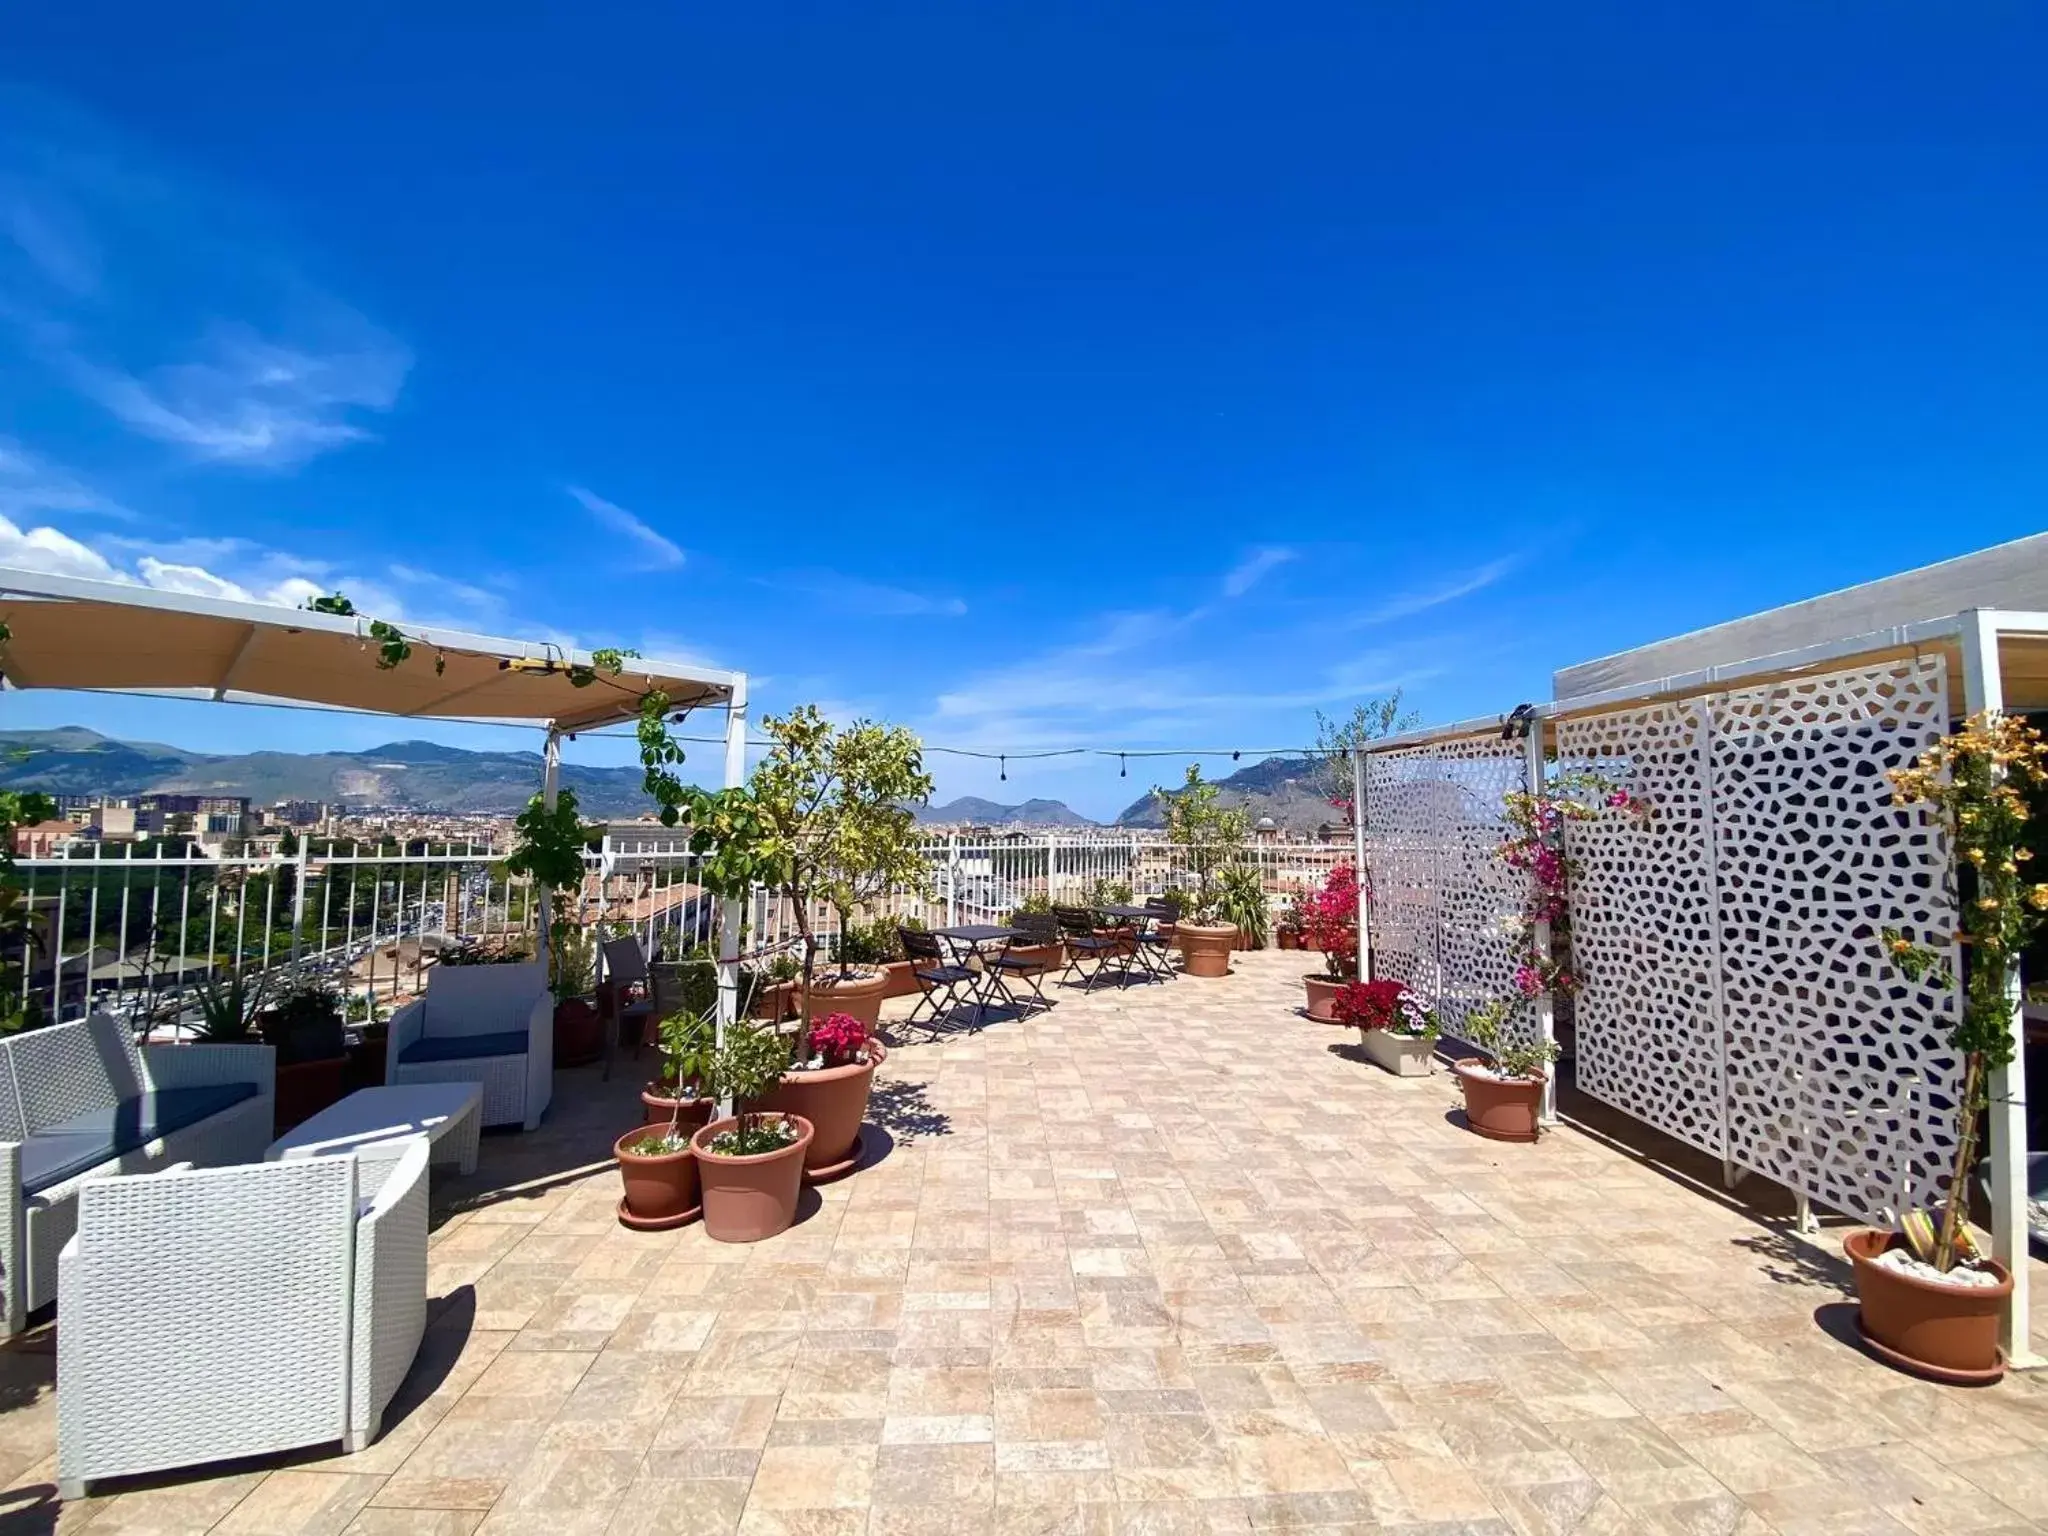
79,1101
488,1024
232,1312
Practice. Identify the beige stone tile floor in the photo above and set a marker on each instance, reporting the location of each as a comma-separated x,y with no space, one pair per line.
1170,1259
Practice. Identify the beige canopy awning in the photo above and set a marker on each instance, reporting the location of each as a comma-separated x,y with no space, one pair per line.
69,633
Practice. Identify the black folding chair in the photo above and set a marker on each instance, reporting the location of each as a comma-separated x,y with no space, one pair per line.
625,997
1038,928
937,973
1155,949
1084,942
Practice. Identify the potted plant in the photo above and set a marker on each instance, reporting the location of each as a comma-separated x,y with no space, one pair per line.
1504,1087
229,1006
775,988
751,1163
1242,903
572,966
1329,915
306,1028
1287,932
1212,836
1398,1032
879,945
1050,955
679,1096
1929,1302
548,846
829,1088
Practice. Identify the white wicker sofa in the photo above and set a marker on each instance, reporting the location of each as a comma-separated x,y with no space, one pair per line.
488,1024
222,1312
80,1101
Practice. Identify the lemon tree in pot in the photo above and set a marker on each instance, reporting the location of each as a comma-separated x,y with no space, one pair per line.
1212,838
829,1087
752,1161
1503,1086
657,1164
1929,1302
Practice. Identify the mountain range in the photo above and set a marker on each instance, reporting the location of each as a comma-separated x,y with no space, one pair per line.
425,776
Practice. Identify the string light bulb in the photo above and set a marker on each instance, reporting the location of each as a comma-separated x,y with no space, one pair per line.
1003,768
1123,766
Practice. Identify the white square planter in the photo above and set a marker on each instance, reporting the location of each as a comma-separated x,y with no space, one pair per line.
1402,1055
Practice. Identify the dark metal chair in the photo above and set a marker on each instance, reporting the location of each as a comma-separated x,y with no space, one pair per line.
938,974
1155,945
1038,928
1086,942
625,996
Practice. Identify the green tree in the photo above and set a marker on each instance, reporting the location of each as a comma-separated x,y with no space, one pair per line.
1212,833
1337,739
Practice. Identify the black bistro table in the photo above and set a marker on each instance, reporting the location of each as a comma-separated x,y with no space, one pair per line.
1137,917
971,939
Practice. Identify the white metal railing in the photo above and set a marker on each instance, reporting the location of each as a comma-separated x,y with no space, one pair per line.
131,933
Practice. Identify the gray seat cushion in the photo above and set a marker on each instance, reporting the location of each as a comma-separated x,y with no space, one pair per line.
70,1147
511,1042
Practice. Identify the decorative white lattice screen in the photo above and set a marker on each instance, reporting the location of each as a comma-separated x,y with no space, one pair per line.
1442,903
1734,993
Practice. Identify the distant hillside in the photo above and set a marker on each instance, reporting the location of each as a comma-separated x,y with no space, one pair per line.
1283,788
973,810
416,774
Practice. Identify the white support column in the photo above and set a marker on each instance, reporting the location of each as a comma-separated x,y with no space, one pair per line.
952,879
1358,862
1984,689
1545,1004
550,791
299,902
732,911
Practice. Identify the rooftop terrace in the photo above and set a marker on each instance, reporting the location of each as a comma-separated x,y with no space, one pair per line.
1163,1259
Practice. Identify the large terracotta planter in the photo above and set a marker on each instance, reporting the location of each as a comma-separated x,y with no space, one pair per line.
662,1191
304,1088
860,998
579,1033
835,1101
747,1199
1205,947
901,979
1322,997
1500,1108
1287,938
1403,1055
664,1108
1946,1332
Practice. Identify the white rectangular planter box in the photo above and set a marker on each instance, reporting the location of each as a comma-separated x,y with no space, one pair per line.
1402,1055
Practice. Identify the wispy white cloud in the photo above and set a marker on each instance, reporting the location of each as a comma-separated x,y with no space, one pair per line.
662,552
1422,599
874,599
1255,567
31,485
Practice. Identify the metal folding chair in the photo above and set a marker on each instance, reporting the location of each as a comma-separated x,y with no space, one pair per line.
1084,942
936,972
1155,949
626,993
1039,928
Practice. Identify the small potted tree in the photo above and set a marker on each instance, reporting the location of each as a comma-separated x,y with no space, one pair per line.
1397,1031
1504,1086
306,1028
1330,925
1212,837
830,1088
751,1162
1929,1302
548,845
657,1164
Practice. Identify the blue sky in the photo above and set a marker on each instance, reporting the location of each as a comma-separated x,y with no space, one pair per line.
1037,375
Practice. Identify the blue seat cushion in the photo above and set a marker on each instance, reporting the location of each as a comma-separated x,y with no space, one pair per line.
511,1042
68,1148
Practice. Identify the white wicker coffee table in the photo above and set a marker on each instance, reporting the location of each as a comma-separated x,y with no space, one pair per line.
375,1124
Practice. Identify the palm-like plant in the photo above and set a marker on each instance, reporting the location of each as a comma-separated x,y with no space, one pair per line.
228,1005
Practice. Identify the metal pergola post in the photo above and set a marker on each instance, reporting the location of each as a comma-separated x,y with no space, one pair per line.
732,911
1984,689
1358,868
550,792
1544,1003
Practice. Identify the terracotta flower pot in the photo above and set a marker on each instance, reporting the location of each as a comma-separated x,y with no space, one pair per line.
1500,1108
901,977
1287,938
662,1191
1322,997
860,997
1205,947
579,1033
1403,1055
774,1002
1947,1332
664,1108
1047,957
835,1101
304,1088
747,1199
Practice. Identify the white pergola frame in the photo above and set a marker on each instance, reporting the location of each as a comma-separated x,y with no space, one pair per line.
1974,640
528,673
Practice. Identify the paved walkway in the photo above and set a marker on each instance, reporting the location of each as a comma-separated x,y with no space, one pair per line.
1171,1260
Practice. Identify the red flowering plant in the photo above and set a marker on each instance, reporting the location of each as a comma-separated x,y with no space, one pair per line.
1329,917
1387,1005
836,1040
1535,845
